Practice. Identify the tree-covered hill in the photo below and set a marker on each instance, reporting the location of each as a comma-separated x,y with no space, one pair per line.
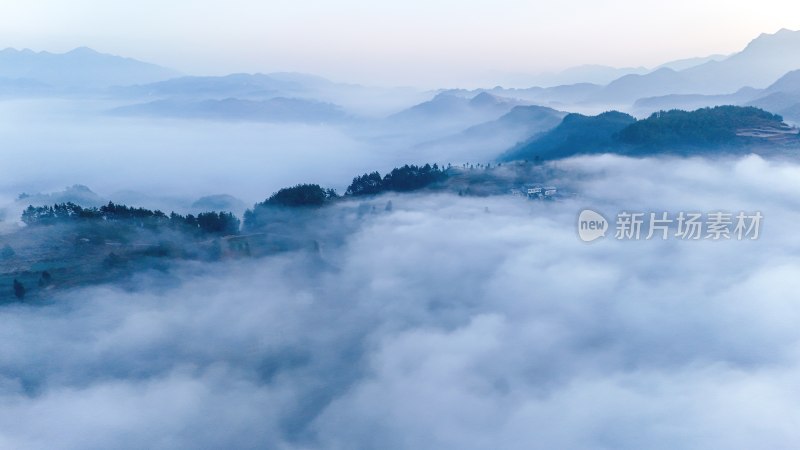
65,244
576,134
701,128
207,223
723,128
403,179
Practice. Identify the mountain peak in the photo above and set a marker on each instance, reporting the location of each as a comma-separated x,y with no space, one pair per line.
484,99
446,97
766,40
82,51
14,51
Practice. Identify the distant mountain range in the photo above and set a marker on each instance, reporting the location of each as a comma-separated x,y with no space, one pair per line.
25,73
520,122
448,105
603,75
648,105
219,202
744,78
554,97
448,112
727,129
360,100
78,194
781,97
82,68
683,64
588,73
482,142
763,61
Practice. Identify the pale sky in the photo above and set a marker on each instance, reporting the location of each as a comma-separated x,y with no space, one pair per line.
423,43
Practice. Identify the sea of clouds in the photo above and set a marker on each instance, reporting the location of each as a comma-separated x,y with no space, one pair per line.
447,322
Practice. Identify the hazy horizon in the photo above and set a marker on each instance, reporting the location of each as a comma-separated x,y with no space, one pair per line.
420,44
606,262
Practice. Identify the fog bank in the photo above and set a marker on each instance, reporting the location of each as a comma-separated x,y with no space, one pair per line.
441,325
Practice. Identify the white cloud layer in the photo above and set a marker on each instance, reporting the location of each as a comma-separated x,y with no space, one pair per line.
440,325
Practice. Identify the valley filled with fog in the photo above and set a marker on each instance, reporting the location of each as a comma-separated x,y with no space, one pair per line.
284,261
439,324
51,145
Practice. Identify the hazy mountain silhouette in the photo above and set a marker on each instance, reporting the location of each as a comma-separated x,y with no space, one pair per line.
764,60
683,64
779,98
78,194
789,83
449,104
553,97
782,97
603,75
792,113
449,112
482,142
522,120
650,105
632,87
219,202
367,100
82,68
588,73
